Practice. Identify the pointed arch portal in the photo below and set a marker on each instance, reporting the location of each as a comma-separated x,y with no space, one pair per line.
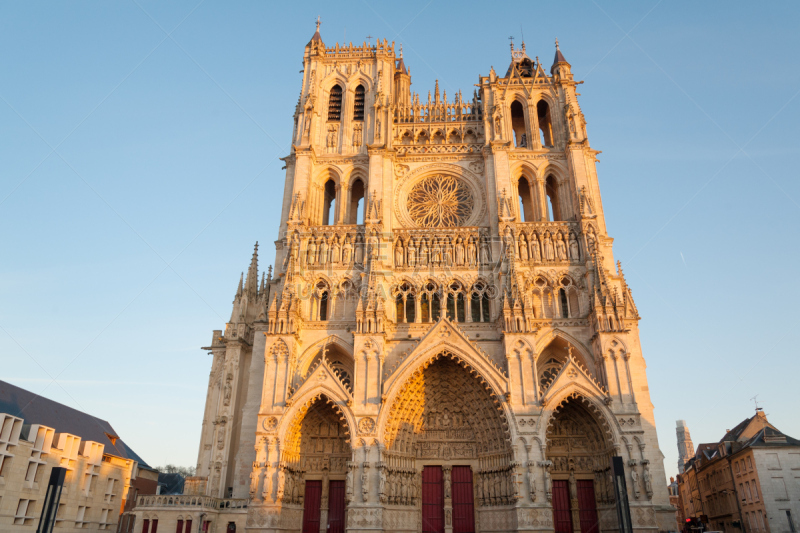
314,465
447,435
579,450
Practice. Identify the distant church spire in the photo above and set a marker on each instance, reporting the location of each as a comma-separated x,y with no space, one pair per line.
685,446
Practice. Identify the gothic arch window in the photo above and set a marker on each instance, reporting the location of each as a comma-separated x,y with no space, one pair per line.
405,303
430,303
329,203
355,214
358,104
347,301
335,104
553,205
344,373
456,303
545,124
479,303
548,372
562,302
518,124
526,202
320,302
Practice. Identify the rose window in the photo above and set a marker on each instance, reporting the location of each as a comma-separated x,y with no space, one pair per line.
440,201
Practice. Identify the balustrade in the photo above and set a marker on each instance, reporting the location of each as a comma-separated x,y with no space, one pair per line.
181,500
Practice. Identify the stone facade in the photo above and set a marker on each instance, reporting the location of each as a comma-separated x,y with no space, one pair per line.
446,315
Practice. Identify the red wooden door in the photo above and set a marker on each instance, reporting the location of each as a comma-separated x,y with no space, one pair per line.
463,507
562,518
336,507
587,506
311,506
432,500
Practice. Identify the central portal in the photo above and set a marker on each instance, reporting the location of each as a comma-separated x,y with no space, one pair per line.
448,455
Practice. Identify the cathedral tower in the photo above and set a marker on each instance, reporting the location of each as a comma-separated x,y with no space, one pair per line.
447,343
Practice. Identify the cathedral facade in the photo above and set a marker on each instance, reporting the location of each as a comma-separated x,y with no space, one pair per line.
446,344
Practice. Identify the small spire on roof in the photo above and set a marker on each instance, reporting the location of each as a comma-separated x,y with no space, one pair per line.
320,22
401,50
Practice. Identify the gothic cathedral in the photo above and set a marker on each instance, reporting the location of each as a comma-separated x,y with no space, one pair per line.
447,344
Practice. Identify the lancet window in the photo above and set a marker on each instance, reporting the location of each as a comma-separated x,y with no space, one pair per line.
553,206
430,303
320,301
518,124
335,104
456,310
358,104
479,303
405,303
545,124
526,203
355,214
329,204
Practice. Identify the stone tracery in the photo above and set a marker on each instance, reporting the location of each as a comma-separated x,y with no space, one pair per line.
440,201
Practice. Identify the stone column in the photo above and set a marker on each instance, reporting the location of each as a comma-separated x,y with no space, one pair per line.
540,193
448,498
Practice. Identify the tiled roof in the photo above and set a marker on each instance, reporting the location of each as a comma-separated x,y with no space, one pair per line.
35,409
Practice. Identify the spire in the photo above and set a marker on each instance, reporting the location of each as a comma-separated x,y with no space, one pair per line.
239,290
317,38
436,92
401,66
558,59
252,273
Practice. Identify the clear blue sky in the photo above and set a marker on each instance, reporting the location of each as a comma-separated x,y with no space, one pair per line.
139,146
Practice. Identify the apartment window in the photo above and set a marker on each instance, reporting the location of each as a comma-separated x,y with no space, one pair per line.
761,521
25,514
104,519
737,467
755,490
747,488
109,497
750,520
749,463
82,519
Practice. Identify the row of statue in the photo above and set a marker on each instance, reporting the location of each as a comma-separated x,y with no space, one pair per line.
323,250
442,252
555,247
400,487
496,487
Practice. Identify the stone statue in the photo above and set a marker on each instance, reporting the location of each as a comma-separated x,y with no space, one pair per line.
365,482
359,254
311,252
460,252
561,248
574,252
412,253
486,255
648,484
447,493
532,481
549,252
635,482
349,482
335,251
323,251
423,253
536,254
523,248
472,252
398,253
573,486
347,249
382,485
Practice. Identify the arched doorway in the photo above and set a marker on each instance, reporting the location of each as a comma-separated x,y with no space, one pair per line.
580,450
447,454
315,458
